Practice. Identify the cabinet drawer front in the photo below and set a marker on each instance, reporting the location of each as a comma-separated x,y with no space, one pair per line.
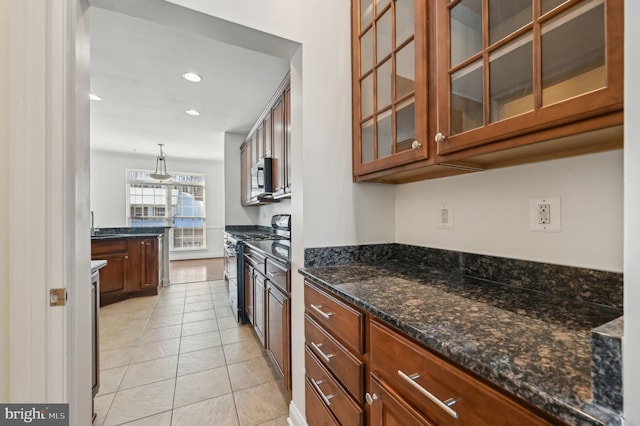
335,357
341,321
393,356
278,276
317,413
110,246
335,397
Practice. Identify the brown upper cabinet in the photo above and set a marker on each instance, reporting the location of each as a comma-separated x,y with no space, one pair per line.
509,82
278,152
270,137
287,140
389,83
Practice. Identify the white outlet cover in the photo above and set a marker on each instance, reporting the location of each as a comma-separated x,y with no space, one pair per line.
555,214
445,216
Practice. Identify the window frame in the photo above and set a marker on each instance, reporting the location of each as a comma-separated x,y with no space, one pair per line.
180,180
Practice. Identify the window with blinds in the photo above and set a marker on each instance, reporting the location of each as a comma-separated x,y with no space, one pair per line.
178,203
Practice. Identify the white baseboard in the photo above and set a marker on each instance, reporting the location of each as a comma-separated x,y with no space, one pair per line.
295,417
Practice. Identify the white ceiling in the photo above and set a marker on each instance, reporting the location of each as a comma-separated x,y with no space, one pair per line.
137,67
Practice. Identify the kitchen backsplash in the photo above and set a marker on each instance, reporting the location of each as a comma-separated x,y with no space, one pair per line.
601,287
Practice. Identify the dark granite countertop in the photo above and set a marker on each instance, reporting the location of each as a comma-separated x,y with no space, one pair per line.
529,343
128,232
240,230
117,236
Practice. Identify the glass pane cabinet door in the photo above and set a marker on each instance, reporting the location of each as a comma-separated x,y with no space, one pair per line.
389,83
573,52
511,67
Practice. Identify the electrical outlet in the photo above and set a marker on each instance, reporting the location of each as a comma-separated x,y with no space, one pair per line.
545,214
445,216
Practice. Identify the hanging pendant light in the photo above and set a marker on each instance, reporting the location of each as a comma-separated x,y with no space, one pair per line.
161,167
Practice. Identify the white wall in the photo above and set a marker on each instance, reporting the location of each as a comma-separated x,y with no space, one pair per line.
334,211
4,204
631,343
491,212
341,212
108,193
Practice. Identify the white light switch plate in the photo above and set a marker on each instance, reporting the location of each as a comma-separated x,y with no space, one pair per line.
545,214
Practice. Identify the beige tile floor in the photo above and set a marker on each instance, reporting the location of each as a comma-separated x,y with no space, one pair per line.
179,358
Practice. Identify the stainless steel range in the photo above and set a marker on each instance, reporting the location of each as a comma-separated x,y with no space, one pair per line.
234,239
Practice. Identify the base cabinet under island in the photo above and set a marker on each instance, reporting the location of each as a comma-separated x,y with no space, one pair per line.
134,266
359,371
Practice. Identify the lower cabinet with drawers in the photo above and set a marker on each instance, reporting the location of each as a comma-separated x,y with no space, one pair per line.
268,308
334,357
360,371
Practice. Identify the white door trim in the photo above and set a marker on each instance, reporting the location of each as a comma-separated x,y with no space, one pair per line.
27,275
50,353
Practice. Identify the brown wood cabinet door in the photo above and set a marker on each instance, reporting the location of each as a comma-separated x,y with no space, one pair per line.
248,292
149,263
278,331
258,141
506,70
278,143
390,63
245,178
389,409
267,136
259,293
287,141
114,276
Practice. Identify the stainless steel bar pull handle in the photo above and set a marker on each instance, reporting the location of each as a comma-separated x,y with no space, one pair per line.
446,406
318,309
326,357
316,386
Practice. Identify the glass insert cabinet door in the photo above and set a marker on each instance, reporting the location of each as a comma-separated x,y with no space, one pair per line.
389,83
509,67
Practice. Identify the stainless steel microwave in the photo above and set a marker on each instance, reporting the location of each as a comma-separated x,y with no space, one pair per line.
262,178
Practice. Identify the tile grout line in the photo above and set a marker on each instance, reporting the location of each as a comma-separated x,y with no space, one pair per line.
139,343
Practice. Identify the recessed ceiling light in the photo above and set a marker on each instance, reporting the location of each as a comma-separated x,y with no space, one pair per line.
192,77
192,112
94,97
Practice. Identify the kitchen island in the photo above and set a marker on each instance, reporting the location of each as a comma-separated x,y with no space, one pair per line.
528,343
138,261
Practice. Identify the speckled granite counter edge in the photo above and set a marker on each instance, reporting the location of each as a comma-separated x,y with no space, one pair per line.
589,414
606,364
600,287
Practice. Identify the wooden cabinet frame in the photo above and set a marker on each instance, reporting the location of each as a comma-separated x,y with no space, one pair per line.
421,59
598,102
269,139
585,123
133,267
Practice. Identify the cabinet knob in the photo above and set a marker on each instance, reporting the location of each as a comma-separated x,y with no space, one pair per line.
440,137
126,258
370,398
416,145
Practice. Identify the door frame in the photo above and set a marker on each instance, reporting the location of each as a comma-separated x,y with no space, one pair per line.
50,351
